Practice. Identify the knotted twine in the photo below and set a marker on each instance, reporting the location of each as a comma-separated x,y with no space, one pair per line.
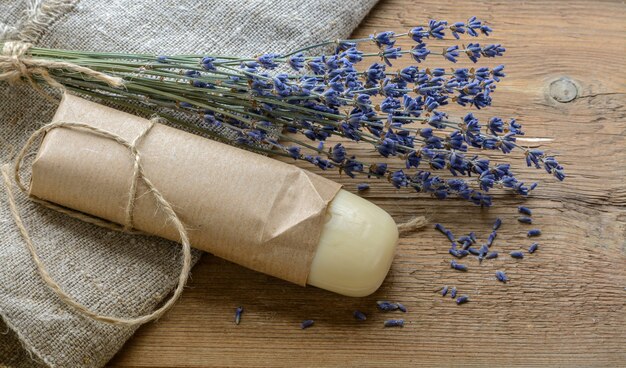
16,68
138,175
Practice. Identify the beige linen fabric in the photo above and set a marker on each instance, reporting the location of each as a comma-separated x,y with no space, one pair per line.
113,273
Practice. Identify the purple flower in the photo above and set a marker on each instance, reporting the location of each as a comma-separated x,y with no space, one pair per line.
384,39
451,53
267,60
419,52
296,62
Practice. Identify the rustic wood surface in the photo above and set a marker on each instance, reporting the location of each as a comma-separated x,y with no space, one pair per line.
564,306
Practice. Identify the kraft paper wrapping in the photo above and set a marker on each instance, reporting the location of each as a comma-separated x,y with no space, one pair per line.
249,209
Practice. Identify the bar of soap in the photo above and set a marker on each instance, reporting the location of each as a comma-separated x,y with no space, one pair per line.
356,247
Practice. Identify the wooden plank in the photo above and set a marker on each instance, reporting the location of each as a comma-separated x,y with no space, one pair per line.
565,305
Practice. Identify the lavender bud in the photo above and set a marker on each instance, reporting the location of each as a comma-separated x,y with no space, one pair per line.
534,232
491,238
462,299
401,307
525,220
497,224
525,210
359,315
238,313
501,276
517,254
386,306
453,293
491,255
394,323
458,266
306,324
533,248
473,251
444,291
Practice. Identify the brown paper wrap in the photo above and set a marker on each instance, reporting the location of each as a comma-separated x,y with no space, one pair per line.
252,210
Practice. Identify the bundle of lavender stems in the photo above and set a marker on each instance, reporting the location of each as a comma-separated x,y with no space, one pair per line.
290,104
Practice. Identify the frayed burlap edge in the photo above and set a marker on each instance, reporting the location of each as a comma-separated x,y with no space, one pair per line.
39,16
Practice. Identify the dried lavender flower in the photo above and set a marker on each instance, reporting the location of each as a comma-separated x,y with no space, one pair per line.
331,96
386,306
362,187
533,248
501,276
517,254
453,293
525,220
306,324
394,323
491,255
473,251
238,313
525,210
401,307
497,224
458,266
444,291
462,299
534,232
359,315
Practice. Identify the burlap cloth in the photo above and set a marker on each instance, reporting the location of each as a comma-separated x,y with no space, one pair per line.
115,273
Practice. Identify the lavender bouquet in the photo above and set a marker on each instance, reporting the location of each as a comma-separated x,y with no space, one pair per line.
290,104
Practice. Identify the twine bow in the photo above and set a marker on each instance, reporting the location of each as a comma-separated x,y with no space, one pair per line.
138,175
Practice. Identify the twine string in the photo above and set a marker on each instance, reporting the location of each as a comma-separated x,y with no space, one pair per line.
17,67
138,175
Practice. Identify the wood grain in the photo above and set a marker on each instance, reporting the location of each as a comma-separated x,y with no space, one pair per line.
564,306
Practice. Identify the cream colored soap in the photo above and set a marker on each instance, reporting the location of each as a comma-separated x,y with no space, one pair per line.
356,247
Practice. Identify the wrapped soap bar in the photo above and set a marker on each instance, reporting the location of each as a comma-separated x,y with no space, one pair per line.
260,213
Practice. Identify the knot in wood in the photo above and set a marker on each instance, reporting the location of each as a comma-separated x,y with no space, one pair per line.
563,90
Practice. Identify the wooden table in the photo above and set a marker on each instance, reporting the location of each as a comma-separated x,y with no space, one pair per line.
565,305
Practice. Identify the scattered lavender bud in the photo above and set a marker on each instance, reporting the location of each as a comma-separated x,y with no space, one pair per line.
533,186
462,299
362,186
501,276
306,324
525,210
394,323
466,245
238,313
491,255
497,224
525,220
458,266
533,248
464,239
491,238
517,254
462,253
359,315
473,251
472,236
453,293
441,229
386,306
482,252
450,235
534,232
444,291
458,253
401,307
